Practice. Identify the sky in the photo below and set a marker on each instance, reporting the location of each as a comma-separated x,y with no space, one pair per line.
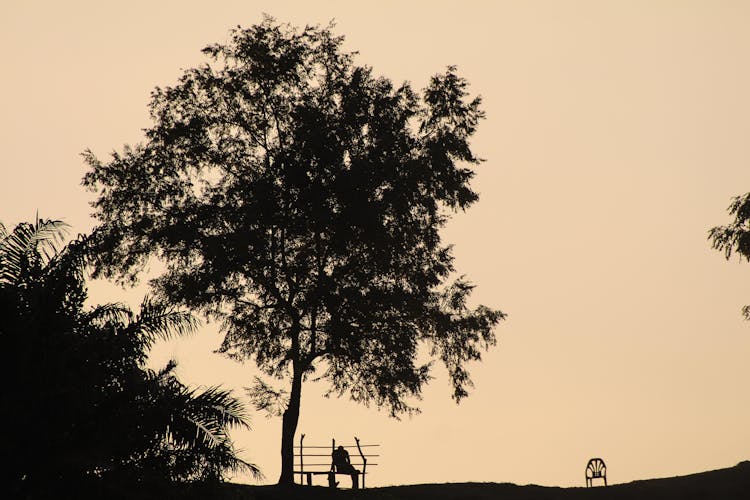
616,136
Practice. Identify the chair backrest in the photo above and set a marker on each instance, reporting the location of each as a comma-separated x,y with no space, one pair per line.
596,468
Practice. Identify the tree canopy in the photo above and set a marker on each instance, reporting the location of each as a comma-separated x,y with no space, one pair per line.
735,237
298,197
83,404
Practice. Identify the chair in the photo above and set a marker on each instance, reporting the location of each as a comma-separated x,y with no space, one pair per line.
596,468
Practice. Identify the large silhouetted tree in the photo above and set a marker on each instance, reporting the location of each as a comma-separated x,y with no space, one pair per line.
735,237
299,198
78,402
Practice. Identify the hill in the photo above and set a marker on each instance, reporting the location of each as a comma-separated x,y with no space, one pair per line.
727,484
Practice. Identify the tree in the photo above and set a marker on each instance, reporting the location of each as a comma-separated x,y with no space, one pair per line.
298,198
735,237
83,404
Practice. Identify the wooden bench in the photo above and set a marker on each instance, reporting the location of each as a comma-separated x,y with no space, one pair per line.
316,468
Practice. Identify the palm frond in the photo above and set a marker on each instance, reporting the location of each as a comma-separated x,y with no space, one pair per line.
48,234
223,407
203,418
41,238
109,313
236,465
207,433
160,321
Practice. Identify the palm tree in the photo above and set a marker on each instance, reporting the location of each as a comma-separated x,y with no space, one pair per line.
28,241
83,402
195,443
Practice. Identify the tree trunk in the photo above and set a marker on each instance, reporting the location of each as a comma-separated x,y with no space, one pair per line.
289,427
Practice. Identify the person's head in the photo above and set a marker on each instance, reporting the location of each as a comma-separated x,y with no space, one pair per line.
341,448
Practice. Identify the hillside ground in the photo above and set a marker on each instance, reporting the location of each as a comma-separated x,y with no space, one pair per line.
725,484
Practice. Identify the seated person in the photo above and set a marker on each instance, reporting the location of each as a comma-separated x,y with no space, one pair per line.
341,463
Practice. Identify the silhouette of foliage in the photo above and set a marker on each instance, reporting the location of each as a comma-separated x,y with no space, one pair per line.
78,401
267,399
298,198
735,237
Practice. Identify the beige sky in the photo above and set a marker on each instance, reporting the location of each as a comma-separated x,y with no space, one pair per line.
617,132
